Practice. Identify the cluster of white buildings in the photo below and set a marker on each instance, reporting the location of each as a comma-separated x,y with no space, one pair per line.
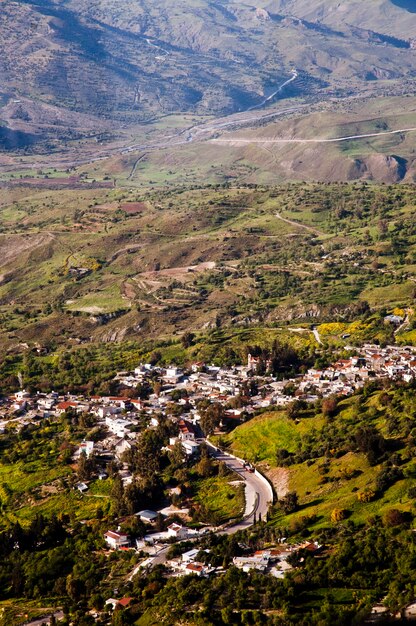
346,375
217,384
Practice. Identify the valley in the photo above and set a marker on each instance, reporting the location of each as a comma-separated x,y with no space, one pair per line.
148,85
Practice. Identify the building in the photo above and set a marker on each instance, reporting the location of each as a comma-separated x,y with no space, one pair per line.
62,407
176,531
118,426
147,516
86,447
116,540
191,447
186,431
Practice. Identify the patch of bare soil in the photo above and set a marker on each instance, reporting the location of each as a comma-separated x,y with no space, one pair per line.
12,247
179,272
132,208
279,477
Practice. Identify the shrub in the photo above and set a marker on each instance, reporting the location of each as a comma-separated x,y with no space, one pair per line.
394,517
366,496
338,515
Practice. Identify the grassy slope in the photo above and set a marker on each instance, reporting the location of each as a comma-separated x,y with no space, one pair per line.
220,497
348,475
271,163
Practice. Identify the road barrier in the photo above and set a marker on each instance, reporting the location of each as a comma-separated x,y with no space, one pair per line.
268,484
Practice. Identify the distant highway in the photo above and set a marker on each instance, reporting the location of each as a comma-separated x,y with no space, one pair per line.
277,140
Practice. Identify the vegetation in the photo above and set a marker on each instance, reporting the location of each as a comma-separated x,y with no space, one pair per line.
212,258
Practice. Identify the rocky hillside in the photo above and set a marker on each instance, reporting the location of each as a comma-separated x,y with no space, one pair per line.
134,60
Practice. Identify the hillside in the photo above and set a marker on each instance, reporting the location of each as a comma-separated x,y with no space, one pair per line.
308,144
101,263
390,17
138,61
328,458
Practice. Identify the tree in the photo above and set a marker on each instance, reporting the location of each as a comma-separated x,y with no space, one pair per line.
394,517
74,588
329,406
86,467
211,417
177,456
205,467
371,442
148,454
187,339
366,496
117,491
119,618
294,408
290,502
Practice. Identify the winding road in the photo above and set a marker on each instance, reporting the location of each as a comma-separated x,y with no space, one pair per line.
258,499
274,94
256,490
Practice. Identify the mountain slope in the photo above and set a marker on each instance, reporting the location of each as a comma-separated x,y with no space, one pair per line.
138,59
390,17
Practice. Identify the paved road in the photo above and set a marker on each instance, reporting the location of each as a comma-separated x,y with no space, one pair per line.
257,502
257,493
277,140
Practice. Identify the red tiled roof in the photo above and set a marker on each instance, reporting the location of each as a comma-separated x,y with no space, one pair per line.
185,427
194,568
66,405
114,535
119,399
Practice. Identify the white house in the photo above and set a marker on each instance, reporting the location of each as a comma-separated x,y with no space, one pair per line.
122,446
87,447
147,516
191,447
186,431
138,404
195,568
189,556
20,395
177,531
121,402
116,540
104,411
118,426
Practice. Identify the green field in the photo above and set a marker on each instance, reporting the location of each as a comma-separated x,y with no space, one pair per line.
222,498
